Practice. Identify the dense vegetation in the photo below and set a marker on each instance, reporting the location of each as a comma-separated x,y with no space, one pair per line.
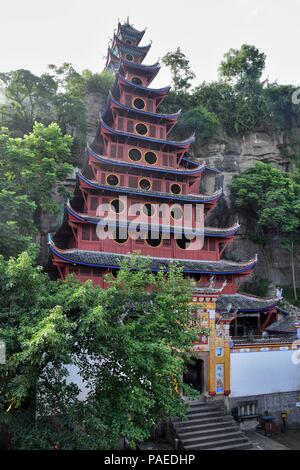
140,337
270,199
238,103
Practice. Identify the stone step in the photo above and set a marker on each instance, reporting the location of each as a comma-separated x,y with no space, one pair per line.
202,422
201,409
214,430
212,438
221,444
205,414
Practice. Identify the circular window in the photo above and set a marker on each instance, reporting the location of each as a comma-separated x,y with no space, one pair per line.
135,155
144,184
141,129
183,243
128,41
138,103
176,212
129,57
137,81
154,239
150,158
120,235
175,188
148,209
112,180
117,206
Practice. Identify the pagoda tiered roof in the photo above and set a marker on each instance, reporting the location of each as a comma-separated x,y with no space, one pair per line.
146,91
130,48
207,231
199,198
245,303
150,70
126,29
134,111
183,144
112,260
151,169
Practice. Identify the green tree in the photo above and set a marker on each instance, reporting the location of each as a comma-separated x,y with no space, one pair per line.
272,199
243,64
201,121
129,343
27,98
32,168
243,68
182,75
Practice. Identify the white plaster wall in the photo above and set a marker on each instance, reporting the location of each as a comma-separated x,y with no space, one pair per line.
258,373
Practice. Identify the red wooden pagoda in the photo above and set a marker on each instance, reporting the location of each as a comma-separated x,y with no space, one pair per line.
134,161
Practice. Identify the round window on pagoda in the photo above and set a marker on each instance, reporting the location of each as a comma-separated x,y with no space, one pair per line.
135,155
148,209
150,157
117,206
175,188
120,235
128,41
112,180
154,239
129,57
138,103
176,212
183,243
141,129
137,81
144,184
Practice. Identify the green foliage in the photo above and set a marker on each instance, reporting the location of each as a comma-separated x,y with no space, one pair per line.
28,99
182,75
141,336
201,121
31,168
244,64
98,82
271,197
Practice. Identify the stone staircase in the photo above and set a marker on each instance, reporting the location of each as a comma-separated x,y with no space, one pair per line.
210,427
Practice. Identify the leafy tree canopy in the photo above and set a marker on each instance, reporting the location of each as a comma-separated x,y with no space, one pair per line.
182,75
129,343
270,196
31,169
246,63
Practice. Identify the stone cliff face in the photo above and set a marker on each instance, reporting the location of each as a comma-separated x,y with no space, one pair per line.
232,156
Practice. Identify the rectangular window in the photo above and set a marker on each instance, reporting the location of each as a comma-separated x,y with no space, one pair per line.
120,152
212,244
162,133
113,151
156,185
120,123
132,182
152,130
165,159
93,203
85,232
130,126
150,106
94,233
128,100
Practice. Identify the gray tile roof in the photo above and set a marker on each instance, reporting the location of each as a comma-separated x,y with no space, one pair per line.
104,259
243,302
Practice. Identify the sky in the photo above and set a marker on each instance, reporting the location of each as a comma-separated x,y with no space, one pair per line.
35,33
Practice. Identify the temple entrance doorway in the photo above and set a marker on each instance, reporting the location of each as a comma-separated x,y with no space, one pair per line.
194,375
